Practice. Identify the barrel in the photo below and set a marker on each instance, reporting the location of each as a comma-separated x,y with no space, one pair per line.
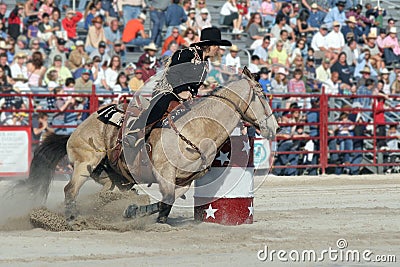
225,194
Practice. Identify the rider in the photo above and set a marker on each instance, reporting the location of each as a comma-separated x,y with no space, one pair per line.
185,71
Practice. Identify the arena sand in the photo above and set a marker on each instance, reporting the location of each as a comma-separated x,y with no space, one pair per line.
300,213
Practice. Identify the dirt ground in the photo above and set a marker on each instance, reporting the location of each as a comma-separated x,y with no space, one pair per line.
293,213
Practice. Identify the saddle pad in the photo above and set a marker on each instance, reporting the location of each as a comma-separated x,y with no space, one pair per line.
111,115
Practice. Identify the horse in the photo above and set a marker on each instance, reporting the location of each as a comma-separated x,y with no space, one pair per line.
181,153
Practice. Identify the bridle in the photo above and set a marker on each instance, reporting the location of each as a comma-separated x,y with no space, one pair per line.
252,96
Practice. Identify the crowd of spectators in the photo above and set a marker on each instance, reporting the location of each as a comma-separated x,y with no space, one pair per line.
297,47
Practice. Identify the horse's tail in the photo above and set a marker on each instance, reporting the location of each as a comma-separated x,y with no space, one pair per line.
44,163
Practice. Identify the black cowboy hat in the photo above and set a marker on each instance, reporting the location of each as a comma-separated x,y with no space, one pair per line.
211,36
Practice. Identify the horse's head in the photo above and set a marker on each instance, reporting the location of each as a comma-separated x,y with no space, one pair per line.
257,111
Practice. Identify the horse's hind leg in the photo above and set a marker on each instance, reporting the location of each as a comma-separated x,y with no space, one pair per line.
71,190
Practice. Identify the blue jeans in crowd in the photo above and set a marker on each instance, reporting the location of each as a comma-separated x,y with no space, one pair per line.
139,41
82,5
158,20
345,144
62,3
131,12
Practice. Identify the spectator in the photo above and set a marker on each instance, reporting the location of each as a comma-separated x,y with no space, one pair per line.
279,55
18,68
202,20
352,53
281,25
374,49
191,21
385,80
70,22
285,12
380,38
229,16
131,9
313,117
378,108
134,33
174,17
280,83
302,23
232,60
391,47
101,53
255,62
297,86
351,28
116,50
157,17
390,23
69,86
40,126
63,72
268,12
122,84
365,74
56,23
298,50
316,18
262,51
364,60
147,71
172,48
111,74
78,56
336,14
176,37
264,80
395,87
15,21
47,32
365,91
150,53
3,11
190,36
61,104
36,72
323,72
334,87
60,51
253,29
84,83
343,69
52,80
33,28
319,43
136,82
113,34
90,14
344,130
335,39
95,35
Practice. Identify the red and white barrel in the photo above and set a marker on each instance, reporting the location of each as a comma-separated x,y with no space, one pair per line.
225,194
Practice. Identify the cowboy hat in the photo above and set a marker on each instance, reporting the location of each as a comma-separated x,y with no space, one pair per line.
4,45
142,16
393,30
371,36
151,46
97,19
314,6
20,55
366,69
282,70
211,36
20,78
385,71
351,19
234,48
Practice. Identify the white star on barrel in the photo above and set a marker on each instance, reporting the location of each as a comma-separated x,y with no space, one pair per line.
251,209
210,212
246,146
223,157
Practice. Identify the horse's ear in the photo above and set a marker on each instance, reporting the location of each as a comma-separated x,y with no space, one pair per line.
247,72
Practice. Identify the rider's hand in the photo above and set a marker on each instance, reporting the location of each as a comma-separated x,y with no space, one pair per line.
186,95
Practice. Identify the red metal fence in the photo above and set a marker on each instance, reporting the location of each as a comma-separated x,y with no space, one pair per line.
328,153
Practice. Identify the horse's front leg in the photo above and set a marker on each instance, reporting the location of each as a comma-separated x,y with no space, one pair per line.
166,181
71,190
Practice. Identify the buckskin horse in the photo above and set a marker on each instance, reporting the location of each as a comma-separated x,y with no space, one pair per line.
180,153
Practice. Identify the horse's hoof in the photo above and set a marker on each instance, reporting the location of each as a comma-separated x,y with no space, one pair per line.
130,211
162,219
